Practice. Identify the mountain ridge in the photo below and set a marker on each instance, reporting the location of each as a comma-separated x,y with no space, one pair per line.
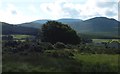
97,25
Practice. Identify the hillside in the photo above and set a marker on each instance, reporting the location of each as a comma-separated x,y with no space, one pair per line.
95,26
35,24
15,29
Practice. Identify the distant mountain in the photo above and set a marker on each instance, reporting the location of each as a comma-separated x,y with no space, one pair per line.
67,20
101,26
31,25
98,26
15,29
39,23
35,24
95,26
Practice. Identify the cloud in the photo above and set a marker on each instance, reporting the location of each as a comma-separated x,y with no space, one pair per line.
15,19
11,9
110,13
11,14
14,12
61,9
105,4
32,8
1,3
56,9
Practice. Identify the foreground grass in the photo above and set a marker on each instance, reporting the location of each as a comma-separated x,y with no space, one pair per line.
35,63
98,58
79,63
101,62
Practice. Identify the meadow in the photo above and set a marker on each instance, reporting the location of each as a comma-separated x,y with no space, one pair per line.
20,36
33,62
106,40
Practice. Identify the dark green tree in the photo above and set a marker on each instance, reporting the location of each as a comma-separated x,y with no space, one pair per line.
53,32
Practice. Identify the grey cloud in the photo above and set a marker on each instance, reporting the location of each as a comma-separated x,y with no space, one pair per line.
72,12
62,4
48,9
14,12
106,4
110,13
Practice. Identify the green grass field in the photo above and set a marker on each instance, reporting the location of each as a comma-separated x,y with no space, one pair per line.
20,36
98,58
105,40
79,63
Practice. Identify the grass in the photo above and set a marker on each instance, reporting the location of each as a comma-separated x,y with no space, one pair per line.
37,63
79,63
98,63
105,40
20,36
25,67
98,58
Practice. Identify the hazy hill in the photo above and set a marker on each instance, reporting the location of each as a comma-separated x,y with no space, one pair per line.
15,29
98,26
35,24
94,26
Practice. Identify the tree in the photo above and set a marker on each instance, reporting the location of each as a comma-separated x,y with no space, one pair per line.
53,32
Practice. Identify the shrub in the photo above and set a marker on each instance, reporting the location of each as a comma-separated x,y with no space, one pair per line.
46,45
59,45
58,53
53,32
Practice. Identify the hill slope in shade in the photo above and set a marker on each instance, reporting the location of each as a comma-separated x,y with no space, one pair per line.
15,29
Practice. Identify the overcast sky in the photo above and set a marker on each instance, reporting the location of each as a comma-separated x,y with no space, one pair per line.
20,11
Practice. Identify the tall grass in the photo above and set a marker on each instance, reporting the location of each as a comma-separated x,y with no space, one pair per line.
98,62
79,63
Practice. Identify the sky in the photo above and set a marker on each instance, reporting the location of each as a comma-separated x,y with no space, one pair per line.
21,11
